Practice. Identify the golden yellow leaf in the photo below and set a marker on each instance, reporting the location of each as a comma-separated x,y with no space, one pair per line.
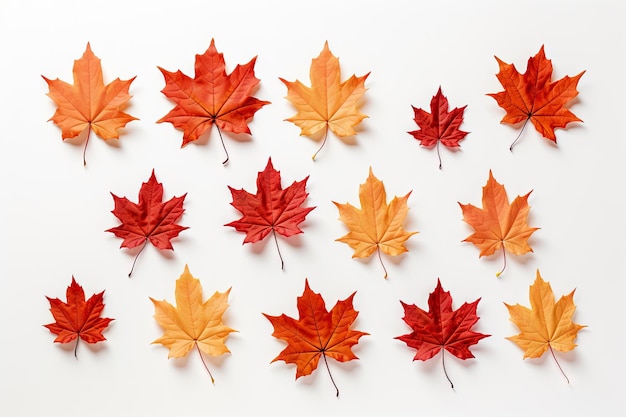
328,103
193,323
547,325
377,226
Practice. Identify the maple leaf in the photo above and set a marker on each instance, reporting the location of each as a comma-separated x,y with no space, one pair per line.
78,319
149,220
533,96
377,226
88,104
547,325
499,225
272,209
441,328
317,333
193,323
440,125
211,97
328,103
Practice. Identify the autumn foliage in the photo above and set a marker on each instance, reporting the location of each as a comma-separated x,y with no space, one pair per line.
329,103
88,104
534,97
211,97
272,209
317,333
546,325
441,328
193,323
149,220
440,125
499,224
377,226
76,318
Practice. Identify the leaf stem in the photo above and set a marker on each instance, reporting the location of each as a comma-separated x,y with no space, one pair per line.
503,266
204,363
438,154
85,147
137,256
557,363
76,347
520,134
282,263
443,362
219,131
323,143
380,258
331,375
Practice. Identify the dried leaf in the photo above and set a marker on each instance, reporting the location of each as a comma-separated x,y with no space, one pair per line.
193,323
328,103
499,225
149,220
533,96
88,104
317,333
212,97
441,327
78,319
377,226
546,325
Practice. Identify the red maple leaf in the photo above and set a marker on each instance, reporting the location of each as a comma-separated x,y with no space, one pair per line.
533,96
317,333
212,96
271,209
151,220
78,318
439,125
441,327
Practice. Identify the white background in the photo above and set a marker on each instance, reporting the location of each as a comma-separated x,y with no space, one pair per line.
56,210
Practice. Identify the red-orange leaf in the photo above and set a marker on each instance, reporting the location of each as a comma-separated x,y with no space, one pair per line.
440,125
441,327
88,104
533,96
317,333
78,318
149,220
211,97
271,209
499,224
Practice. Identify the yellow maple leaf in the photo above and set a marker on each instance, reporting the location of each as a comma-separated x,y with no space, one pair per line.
193,323
547,325
377,226
328,103
499,224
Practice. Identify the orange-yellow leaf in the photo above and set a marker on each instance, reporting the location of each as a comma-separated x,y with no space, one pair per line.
328,103
88,103
192,322
376,226
499,224
546,324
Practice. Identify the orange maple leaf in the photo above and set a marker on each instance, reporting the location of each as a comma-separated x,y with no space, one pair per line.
193,322
546,325
78,318
328,103
211,97
377,226
533,96
88,104
317,333
499,224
